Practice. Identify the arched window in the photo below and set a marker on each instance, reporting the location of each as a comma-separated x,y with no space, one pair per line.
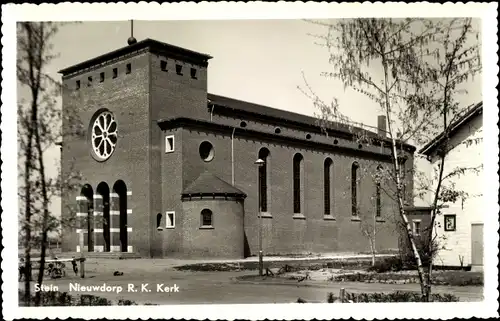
327,193
354,188
297,188
403,178
263,179
377,191
206,217
88,220
102,207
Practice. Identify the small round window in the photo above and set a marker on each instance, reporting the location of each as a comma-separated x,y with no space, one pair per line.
207,151
103,135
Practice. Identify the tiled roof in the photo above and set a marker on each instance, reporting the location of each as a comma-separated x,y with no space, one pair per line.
281,115
453,128
209,184
153,45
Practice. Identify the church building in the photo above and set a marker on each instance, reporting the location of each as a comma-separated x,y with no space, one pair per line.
170,170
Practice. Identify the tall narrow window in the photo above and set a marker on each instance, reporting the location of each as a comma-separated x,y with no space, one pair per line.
327,196
403,179
377,191
379,203
297,190
263,179
158,221
354,188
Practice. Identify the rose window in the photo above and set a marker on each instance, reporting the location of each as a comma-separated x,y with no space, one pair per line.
104,135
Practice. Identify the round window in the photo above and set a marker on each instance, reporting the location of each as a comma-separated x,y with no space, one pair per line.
104,135
206,151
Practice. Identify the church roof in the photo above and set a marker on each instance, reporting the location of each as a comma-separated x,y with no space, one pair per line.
239,106
152,45
209,184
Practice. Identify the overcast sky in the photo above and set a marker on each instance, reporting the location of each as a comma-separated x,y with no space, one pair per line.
260,61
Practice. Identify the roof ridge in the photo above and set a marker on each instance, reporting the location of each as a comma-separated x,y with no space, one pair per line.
208,183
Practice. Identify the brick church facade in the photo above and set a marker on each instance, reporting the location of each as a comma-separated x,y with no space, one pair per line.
169,170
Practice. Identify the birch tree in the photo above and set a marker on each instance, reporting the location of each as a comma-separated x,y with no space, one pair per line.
414,70
39,128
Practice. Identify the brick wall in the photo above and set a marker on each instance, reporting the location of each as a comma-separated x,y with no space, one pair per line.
225,240
127,97
283,233
156,179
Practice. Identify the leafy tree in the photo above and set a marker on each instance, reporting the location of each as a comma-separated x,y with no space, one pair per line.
414,70
39,119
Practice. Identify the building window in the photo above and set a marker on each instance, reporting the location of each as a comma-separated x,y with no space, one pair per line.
163,65
170,220
403,179
115,72
377,191
416,227
450,222
158,221
89,81
327,193
169,144
308,136
243,124
207,152
263,179
354,188
101,77
277,130
206,218
297,188
193,73
178,69
379,203
129,68
78,84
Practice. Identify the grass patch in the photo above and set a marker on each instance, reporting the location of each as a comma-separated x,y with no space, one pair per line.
454,278
285,266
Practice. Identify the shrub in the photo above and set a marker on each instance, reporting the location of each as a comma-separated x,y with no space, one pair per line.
126,302
397,296
392,263
56,298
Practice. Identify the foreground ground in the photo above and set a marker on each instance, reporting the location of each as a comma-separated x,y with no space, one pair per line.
217,287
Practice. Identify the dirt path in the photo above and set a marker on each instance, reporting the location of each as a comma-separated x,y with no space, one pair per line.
213,287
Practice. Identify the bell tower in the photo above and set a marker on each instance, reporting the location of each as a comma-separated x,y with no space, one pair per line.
118,97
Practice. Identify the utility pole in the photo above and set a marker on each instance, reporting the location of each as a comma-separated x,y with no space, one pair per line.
260,163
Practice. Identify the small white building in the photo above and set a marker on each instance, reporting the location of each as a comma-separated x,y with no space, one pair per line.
460,226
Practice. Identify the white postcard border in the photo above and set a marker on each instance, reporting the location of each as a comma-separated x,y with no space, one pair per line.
253,10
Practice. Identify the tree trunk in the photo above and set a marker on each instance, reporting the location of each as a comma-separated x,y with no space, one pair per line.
372,248
399,196
27,215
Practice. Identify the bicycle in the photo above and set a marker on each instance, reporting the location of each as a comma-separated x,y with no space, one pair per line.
55,270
